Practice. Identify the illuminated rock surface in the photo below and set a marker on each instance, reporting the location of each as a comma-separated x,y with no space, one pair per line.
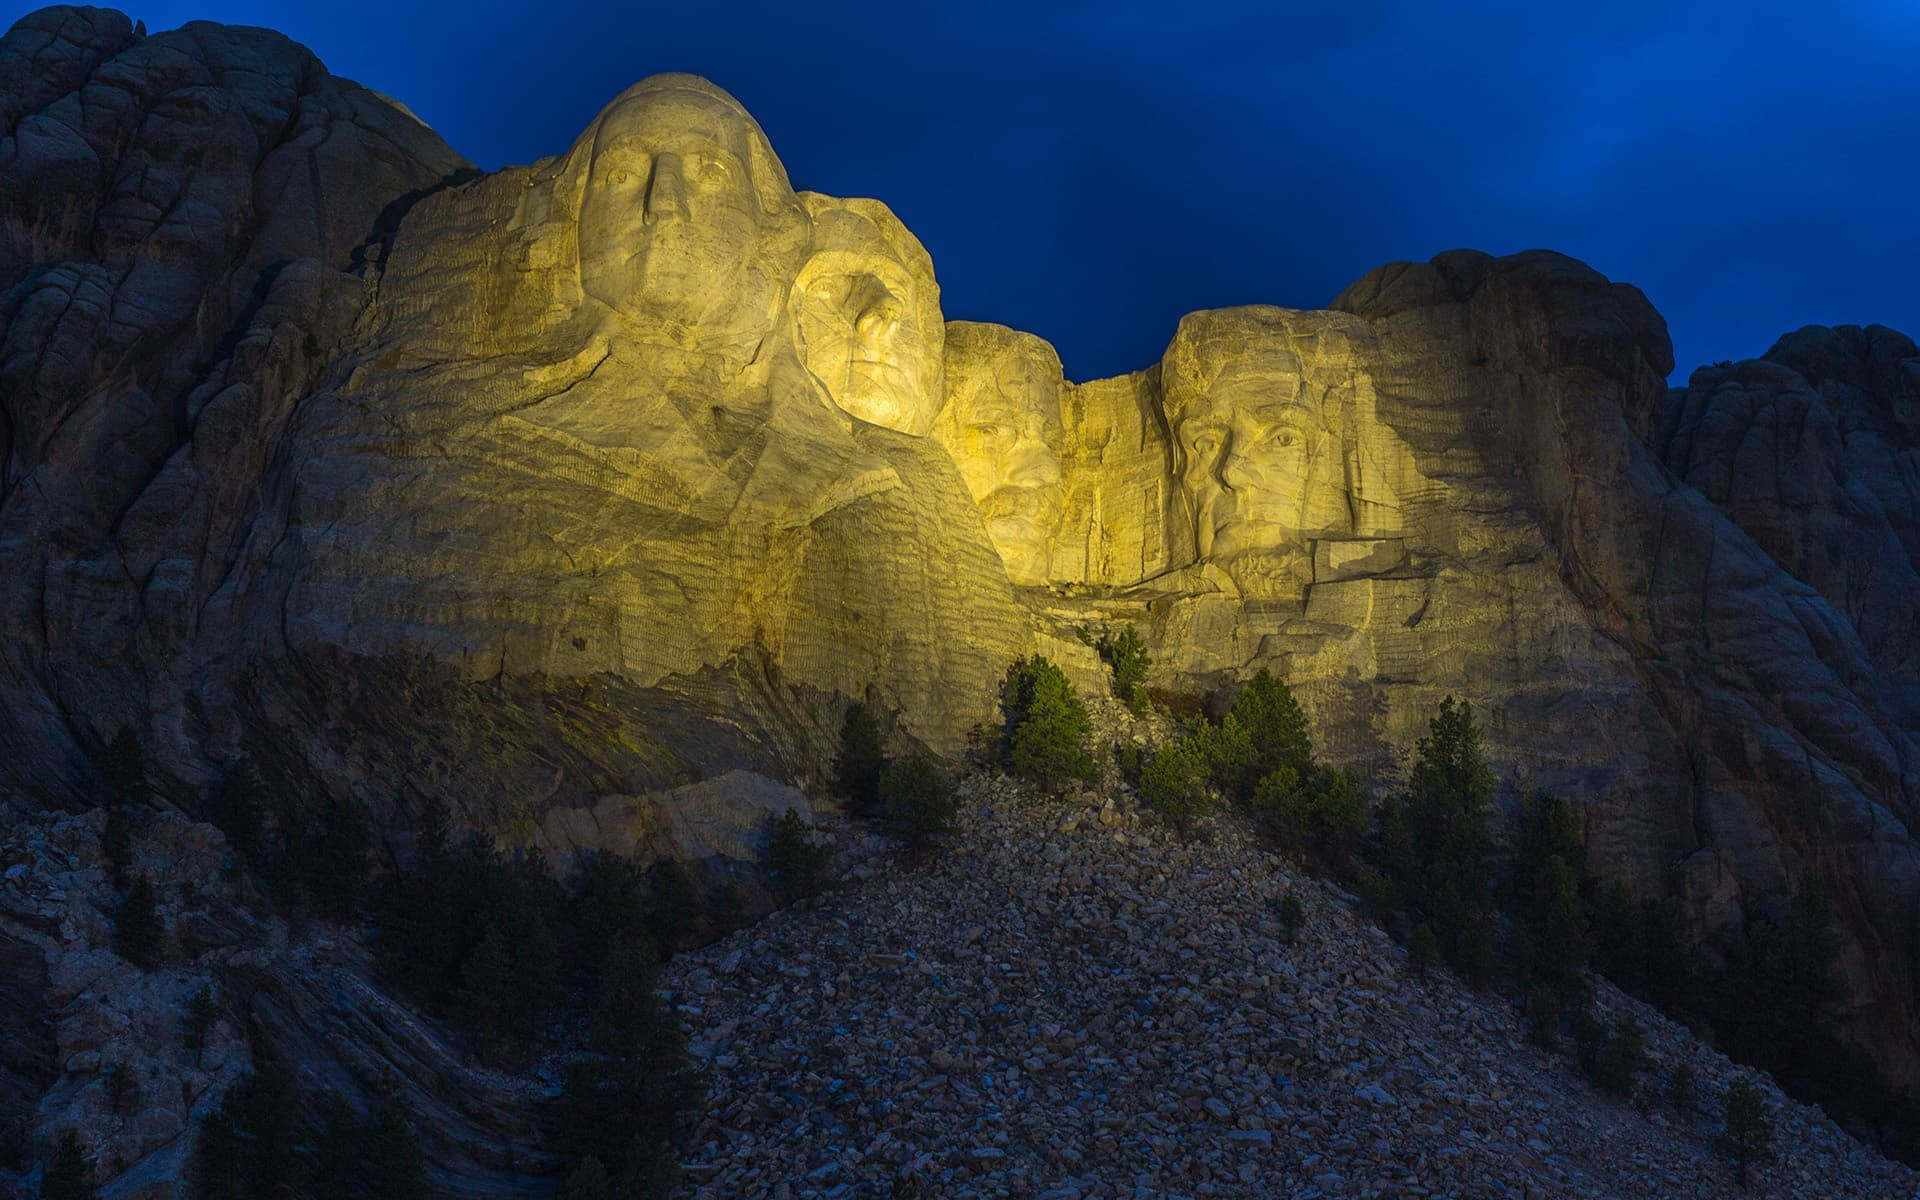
555,490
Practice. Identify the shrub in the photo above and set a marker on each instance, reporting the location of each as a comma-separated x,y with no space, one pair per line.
1130,759
919,805
137,930
1128,657
1747,1137
860,762
1174,784
1046,725
1291,913
794,864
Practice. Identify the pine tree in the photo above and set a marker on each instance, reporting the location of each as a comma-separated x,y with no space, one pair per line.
1275,723
1450,791
1127,655
860,762
589,1181
251,1145
124,770
1174,784
396,1169
1047,727
793,863
67,1176
1423,951
338,858
624,1103
116,845
237,805
1621,1058
201,1012
486,999
673,908
137,929
1747,1137
919,804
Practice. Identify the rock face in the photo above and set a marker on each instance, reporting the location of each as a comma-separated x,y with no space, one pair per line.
564,491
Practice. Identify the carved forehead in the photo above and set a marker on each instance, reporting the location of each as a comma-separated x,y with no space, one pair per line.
662,120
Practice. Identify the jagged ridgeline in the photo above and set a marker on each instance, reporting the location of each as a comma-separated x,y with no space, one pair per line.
585,495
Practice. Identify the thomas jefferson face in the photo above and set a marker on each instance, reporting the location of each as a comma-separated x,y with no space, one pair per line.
1005,434
863,339
672,223
1260,467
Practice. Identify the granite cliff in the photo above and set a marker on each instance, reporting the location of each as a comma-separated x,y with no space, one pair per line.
585,494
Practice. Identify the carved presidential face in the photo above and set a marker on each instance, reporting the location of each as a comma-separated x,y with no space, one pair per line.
677,215
1002,425
1259,463
868,314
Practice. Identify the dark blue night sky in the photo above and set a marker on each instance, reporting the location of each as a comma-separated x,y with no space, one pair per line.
1090,172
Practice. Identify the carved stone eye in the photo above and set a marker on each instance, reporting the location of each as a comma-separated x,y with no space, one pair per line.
618,179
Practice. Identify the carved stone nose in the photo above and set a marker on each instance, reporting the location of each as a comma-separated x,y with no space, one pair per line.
666,191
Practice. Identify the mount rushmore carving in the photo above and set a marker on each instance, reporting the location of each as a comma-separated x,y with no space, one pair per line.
590,480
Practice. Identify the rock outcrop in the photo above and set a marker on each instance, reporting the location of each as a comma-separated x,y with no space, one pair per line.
564,492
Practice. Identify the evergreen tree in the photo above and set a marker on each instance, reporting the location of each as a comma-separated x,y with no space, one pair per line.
1227,753
124,770
610,905
67,1176
1747,1137
137,929
251,1146
728,907
1450,791
237,805
1554,926
1621,1058
338,858
487,995
860,762
201,1012
794,864
1174,784
1047,727
116,845
396,1168
1423,950
920,805
1127,655
673,908
1543,1016
589,1181
1275,724
624,1103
